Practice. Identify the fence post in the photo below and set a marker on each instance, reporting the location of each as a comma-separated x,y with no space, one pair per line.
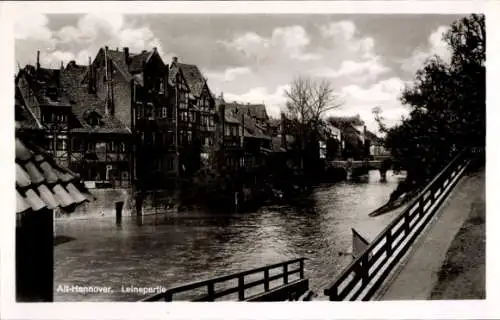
266,280
388,242
168,296
421,205
365,269
241,287
118,208
211,291
285,273
301,269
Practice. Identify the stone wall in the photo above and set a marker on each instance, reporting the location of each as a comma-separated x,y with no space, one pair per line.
158,202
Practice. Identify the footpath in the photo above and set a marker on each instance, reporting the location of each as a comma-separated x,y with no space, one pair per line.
448,260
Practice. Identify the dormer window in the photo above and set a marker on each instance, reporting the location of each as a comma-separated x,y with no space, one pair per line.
93,119
52,93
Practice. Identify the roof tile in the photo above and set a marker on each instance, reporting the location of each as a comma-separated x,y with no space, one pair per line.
22,177
47,196
22,153
62,196
33,172
48,172
35,202
21,204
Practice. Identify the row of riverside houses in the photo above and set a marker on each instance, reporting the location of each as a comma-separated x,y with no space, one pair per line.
130,119
124,119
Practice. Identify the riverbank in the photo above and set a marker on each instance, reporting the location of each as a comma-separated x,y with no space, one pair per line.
462,275
441,263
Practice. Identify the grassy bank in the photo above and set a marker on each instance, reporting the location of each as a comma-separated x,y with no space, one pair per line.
462,275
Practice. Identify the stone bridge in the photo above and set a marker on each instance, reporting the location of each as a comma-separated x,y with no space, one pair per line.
355,168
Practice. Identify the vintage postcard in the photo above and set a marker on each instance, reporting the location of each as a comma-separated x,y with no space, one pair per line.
301,153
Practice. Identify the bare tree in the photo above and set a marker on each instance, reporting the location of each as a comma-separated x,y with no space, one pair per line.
308,100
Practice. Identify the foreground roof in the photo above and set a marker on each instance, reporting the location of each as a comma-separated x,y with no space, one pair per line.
41,183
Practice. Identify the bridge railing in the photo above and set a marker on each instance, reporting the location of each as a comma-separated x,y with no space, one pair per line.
365,275
211,293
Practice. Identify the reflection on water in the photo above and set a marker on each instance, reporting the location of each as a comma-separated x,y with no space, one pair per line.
152,251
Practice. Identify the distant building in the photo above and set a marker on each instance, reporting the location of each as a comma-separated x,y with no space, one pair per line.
256,142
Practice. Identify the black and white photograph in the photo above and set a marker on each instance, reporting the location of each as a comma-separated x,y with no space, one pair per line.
209,157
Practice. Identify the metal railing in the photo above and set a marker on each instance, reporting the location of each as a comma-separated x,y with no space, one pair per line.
212,294
365,275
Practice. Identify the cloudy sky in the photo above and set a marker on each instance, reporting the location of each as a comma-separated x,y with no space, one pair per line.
253,58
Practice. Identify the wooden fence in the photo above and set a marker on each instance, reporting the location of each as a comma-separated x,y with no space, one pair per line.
211,294
364,276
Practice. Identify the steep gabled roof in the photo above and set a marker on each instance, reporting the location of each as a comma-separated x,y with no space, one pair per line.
194,78
25,119
43,79
230,118
257,111
82,102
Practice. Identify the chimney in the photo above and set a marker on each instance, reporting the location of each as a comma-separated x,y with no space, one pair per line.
126,55
62,65
174,62
90,77
37,60
222,117
155,49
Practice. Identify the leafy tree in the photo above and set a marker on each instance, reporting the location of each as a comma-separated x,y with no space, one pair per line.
448,104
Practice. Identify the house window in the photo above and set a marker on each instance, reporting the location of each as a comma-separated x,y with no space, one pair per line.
164,112
91,146
94,121
52,93
112,146
61,144
170,163
149,111
184,116
161,89
189,137
140,110
123,147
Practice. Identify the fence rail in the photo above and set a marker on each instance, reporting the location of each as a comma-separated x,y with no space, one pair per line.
364,276
212,293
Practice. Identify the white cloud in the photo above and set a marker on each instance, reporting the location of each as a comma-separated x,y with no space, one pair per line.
229,74
435,46
290,42
274,101
344,34
362,70
91,32
31,25
384,94
357,53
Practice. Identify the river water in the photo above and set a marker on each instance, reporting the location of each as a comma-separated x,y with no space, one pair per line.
172,250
